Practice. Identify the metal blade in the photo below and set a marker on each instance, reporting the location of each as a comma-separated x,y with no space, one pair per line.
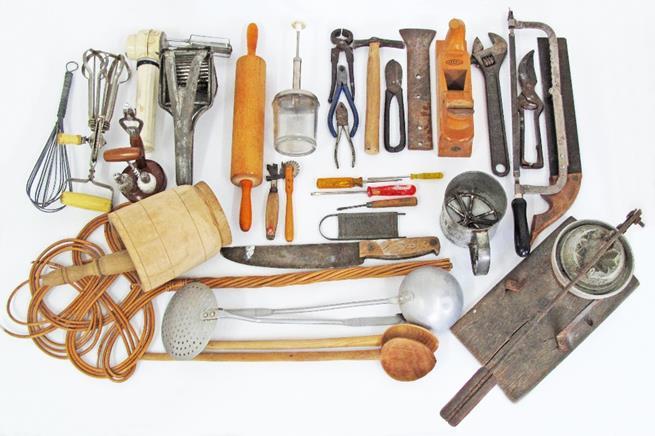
527,74
308,256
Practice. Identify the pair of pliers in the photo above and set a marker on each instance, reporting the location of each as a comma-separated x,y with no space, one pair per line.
342,87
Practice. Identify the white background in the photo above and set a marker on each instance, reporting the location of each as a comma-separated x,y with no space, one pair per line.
605,387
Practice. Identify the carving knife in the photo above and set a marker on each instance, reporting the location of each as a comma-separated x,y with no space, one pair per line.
337,255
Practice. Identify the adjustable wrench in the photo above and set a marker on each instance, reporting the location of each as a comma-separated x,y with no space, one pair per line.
489,61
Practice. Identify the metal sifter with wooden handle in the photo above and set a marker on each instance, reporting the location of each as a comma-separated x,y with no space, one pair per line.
248,125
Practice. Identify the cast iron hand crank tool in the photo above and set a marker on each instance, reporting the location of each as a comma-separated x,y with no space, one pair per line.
419,106
372,132
335,255
522,238
528,100
489,60
393,75
484,380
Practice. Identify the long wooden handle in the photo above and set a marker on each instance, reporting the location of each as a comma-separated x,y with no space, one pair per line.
296,344
288,216
123,154
372,133
115,263
469,396
272,212
276,356
245,213
402,248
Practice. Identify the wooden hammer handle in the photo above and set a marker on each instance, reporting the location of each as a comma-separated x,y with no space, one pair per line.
372,132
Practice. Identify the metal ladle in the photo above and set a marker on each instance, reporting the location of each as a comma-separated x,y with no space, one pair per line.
428,296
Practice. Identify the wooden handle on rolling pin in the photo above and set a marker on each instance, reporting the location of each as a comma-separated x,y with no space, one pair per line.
468,397
372,132
394,202
288,216
401,248
272,212
339,182
248,125
279,356
296,344
245,211
123,154
110,264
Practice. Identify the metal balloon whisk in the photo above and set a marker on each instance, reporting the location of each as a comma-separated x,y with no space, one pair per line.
51,173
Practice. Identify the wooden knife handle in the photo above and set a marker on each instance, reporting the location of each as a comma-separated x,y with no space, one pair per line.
288,216
245,213
469,396
372,132
402,248
272,211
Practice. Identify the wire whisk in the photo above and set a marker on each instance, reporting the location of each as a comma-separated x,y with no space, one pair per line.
51,173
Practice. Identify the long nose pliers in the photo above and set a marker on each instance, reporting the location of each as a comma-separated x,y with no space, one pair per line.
341,87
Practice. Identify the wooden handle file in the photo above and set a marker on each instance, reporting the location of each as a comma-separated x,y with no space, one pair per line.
248,125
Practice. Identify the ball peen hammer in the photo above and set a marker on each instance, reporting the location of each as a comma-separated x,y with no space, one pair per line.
372,133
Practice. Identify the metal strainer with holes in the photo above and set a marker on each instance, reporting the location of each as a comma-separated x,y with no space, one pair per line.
572,250
428,296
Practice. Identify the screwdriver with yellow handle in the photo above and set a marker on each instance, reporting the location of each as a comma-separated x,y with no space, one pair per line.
351,182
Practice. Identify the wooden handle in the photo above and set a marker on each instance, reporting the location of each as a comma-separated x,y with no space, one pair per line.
290,356
252,36
339,182
395,202
426,176
288,216
115,263
297,344
403,248
372,133
123,154
69,139
272,212
86,201
468,397
245,213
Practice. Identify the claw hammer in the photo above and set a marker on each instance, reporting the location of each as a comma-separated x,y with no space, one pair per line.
372,132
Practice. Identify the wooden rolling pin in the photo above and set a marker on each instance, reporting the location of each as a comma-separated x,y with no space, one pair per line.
248,125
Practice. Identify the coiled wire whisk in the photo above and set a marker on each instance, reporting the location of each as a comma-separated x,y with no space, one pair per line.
51,173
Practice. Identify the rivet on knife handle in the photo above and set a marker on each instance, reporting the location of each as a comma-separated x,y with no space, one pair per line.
403,248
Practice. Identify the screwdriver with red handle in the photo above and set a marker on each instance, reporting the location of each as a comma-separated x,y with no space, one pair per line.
383,191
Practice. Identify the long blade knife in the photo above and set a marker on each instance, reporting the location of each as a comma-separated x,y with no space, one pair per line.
337,255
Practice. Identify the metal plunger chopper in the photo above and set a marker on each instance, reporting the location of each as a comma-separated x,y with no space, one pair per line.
295,112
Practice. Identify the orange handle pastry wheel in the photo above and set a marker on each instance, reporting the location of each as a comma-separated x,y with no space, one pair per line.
248,125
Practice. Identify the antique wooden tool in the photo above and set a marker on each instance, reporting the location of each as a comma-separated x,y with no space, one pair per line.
419,103
333,255
544,308
144,47
351,182
562,137
290,169
164,236
372,128
248,125
454,95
